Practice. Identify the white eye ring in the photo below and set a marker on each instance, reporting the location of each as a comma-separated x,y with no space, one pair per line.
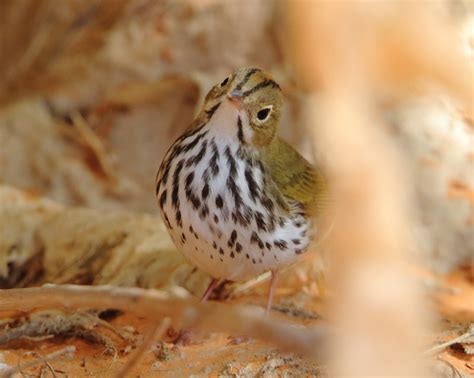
264,113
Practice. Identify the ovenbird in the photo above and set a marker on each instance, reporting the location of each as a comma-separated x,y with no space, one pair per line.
236,199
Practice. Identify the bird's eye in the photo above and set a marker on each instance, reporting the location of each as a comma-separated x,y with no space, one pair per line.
224,82
264,113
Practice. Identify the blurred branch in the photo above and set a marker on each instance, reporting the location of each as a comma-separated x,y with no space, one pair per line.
188,313
387,47
353,51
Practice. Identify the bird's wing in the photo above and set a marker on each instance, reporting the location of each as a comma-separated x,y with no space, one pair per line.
295,177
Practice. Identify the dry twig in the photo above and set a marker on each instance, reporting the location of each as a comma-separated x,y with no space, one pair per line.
155,334
188,313
42,359
468,335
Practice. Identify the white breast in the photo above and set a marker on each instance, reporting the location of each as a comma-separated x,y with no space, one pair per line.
204,225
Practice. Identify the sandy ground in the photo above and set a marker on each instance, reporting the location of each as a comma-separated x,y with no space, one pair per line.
187,352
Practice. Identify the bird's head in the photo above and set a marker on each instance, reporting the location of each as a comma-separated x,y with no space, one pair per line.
251,101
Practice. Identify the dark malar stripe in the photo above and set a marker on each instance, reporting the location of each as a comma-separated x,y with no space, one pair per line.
211,111
240,131
231,163
263,84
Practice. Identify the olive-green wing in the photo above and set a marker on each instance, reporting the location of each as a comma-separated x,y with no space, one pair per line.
295,177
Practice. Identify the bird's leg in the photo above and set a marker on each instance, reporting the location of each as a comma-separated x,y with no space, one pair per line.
270,291
209,289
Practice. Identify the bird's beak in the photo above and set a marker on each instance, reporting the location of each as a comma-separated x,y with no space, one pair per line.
236,98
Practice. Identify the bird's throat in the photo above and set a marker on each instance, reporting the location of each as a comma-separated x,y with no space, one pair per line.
229,124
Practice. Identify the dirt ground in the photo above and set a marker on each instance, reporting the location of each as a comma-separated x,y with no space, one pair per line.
188,352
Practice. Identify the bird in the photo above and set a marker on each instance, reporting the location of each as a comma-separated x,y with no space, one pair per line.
236,199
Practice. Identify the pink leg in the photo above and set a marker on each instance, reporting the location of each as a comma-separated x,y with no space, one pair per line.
270,291
209,289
